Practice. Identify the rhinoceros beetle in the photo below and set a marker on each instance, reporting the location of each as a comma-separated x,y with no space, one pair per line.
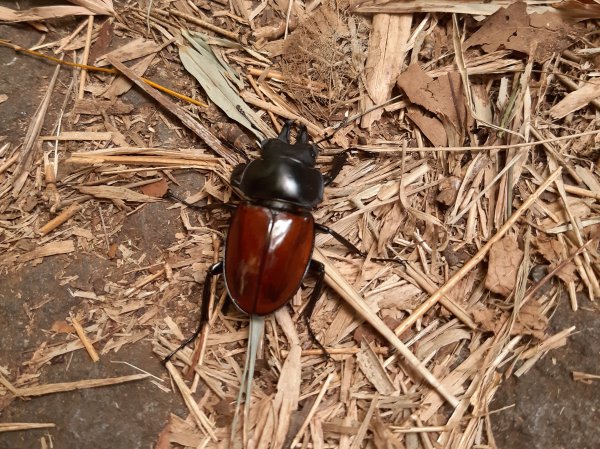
271,236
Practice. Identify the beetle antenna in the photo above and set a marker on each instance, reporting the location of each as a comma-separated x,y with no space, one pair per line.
349,120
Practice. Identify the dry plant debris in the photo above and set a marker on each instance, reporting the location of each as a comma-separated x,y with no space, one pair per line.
480,173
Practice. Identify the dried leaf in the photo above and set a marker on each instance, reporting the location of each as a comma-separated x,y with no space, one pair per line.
134,49
62,327
512,28
531,320
157,189
488,318
218,79
430,126
503,265
443,97
100,47
553,251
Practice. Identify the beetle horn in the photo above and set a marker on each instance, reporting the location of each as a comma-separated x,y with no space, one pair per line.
284,135
302,134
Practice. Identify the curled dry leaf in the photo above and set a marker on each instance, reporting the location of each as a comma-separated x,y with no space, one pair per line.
442,97
505,257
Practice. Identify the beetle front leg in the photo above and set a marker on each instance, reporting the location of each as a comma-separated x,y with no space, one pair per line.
318,269
210,273
236,174
347,243
336,166
351,247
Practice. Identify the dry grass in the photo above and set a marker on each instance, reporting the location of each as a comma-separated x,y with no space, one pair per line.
483,167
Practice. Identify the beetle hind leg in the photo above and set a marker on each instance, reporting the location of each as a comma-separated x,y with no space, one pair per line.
318,269
338,162
210,273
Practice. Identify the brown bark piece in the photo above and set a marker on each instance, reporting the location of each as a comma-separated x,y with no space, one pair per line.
505,257
384,61
100,47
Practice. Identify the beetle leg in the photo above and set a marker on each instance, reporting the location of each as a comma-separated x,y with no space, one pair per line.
210,273
302,135
318,269
338,162
284,135
236,174
347,243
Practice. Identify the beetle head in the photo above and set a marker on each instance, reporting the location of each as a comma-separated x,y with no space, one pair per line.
281,148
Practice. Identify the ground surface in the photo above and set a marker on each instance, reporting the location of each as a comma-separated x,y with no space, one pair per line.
550,411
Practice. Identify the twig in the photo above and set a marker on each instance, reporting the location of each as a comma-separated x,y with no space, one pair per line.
186,118
103,70
84,58
199,22
60,219
41,390
84,340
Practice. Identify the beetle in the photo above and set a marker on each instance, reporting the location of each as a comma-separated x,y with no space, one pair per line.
271,236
